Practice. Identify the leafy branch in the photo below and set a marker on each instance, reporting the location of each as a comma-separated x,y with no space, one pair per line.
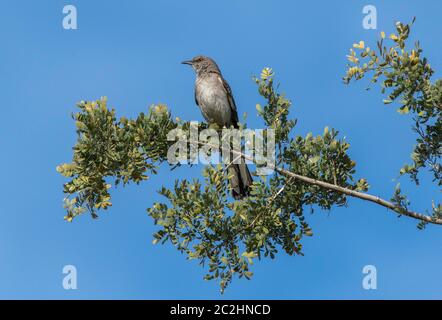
199,217
406,76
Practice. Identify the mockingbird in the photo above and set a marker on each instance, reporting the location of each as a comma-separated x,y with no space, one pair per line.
215,100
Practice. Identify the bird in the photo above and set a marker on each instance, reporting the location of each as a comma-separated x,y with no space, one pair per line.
215,100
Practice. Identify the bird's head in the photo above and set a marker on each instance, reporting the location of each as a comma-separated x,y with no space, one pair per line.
202,64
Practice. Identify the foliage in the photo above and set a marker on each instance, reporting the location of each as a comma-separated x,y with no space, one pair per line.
199,217
406,76
124,150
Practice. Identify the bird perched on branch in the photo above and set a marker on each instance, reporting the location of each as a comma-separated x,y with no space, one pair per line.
215,100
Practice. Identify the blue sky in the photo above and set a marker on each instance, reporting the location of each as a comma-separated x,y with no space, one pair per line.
131,51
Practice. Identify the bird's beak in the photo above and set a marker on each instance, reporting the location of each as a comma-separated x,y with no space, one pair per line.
189,62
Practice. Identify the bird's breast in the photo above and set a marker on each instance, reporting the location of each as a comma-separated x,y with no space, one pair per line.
213,101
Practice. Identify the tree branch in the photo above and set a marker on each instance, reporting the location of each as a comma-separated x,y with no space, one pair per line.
329,186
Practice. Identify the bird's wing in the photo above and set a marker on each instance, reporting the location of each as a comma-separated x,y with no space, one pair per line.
196,96
234,112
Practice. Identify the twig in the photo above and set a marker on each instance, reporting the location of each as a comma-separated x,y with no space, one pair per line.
268,205
231,162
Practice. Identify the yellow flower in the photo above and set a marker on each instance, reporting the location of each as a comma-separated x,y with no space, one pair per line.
352,71
266,73
160,109
359,45
382,34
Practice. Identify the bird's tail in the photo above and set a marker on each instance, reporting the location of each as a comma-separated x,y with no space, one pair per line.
240,179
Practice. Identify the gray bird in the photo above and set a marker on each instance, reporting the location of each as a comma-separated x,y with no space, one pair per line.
215,100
